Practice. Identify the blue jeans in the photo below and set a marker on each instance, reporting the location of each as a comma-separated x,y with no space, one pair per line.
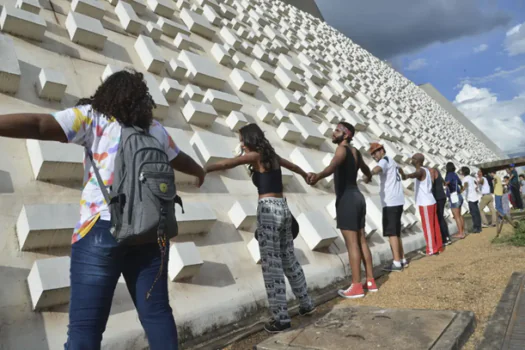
476,216
499,204
96,264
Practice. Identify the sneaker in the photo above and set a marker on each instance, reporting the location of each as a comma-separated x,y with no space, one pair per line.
371,286
353,292
307,311
404,265
393,268
448,242
276,327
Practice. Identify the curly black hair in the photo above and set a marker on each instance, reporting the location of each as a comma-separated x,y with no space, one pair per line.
254,139
125,96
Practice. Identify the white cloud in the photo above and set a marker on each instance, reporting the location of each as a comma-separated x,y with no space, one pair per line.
515,40
500,74
417,64
501,121
481,48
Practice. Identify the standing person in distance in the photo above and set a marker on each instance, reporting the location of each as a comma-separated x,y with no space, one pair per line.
427,204
392,200
97,260
438,191
350,207
455,186
274,224
470,186
522,184
487,200
514,187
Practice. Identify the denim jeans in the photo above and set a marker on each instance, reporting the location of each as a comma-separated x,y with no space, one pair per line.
499,204
476,216
96,264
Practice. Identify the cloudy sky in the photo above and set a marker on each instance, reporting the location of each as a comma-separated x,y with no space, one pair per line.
472,51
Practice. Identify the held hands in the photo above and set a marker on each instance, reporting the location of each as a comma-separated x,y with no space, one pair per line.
312,179
200,178
402,173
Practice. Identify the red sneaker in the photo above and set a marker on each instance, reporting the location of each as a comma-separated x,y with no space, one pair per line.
371,286
353,292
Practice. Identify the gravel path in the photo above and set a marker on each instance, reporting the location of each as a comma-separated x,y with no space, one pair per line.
470,275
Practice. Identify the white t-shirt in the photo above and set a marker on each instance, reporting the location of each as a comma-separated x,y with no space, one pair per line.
391,186
472,194
88,128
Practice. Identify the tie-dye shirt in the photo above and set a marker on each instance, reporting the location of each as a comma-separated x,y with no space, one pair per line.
88,128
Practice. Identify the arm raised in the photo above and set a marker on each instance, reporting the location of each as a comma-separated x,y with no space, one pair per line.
292,167
187,165
248,158
31,126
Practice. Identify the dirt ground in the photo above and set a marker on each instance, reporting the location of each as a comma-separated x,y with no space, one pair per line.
470,275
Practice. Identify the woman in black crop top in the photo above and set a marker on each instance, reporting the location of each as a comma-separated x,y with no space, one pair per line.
274,224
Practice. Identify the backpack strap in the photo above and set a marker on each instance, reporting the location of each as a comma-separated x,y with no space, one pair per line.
103,188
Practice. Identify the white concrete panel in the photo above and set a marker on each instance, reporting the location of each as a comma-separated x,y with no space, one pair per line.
287,101
171,89
221,54
199,113
184,262
198,217
289,80
149,53
32,6
172,28
22,23
9,66
316,231
212,147
85,30
262,70
177,69
129,20
182,42
91,8
193,93
51,84
236,120
288,132
266,112
161,112
202,71
309,133
56,162
48,282
197,23
154,31
253,248
243,81
222,101
243,214
163,8
182,140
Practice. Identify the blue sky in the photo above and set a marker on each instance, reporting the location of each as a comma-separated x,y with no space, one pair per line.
472,51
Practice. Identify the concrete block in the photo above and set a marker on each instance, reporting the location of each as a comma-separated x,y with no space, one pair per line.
325,129
183,4
230,38
329,94
182,140
287,101
154,30
211,15
91,8
253,248
56,162
289,63
193,93
330,208
197,23
171,28
266,112
304,158
46,225
309,133
171,89
333,117
246,47
177,69
202,71
353,118
51,84
236,120
32,6
212,147
281,116
259,53
184,262
139,6
222,101
289,80
128,19
163,8
238,61
9,66
198,113
315,230
244,81
149,54
243,215
198,217
221,54
374,212
262,70
161,112
85,30
212,3
22,23
182,42
48,282
288,132
227,11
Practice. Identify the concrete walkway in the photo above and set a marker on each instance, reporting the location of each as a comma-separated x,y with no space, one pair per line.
364,328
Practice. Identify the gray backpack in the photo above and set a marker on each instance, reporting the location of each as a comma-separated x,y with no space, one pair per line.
143,195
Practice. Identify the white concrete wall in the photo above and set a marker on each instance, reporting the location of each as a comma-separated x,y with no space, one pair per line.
226,286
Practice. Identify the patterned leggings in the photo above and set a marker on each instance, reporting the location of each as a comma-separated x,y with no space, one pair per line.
274,229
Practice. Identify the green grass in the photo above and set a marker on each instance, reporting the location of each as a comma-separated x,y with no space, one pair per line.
516,239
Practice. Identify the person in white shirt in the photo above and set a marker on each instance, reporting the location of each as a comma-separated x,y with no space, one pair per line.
487,200
470,187
427,204
392,200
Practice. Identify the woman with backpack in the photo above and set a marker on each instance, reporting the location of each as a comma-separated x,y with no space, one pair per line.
274,224
454,189
121,103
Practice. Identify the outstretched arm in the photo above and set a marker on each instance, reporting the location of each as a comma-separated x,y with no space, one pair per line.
187,165
31,126
248,158
339,157
418,174
292,167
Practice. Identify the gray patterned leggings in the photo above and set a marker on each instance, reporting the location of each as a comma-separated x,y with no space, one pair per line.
274,229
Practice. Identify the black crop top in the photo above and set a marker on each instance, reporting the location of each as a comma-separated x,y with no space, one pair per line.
268,182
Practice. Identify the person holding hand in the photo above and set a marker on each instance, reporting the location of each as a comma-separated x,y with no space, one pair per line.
350,207
274,224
